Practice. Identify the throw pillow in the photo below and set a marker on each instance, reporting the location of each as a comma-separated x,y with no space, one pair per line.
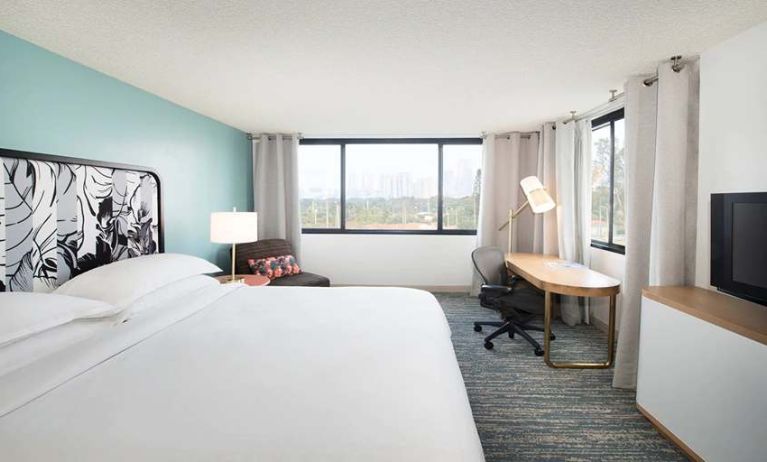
274,267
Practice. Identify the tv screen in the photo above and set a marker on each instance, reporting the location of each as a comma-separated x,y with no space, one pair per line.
739,244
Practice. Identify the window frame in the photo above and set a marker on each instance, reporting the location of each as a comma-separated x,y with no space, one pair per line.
440,142
609,119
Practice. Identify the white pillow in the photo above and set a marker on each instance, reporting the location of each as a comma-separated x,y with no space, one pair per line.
24,313
165,295
29,349
122,282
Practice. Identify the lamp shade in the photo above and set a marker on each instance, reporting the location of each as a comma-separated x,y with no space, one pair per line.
233,227
539,199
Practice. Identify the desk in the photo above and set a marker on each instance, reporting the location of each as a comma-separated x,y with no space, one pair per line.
555,276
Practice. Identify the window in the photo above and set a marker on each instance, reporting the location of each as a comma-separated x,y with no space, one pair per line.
416,186
608,182
461,165
320,186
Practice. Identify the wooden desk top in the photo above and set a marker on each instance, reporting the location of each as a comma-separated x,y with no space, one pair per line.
734,314
561,277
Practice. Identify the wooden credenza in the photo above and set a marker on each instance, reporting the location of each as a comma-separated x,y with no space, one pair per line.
702,377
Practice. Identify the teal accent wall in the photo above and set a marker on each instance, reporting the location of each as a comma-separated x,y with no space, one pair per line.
51,105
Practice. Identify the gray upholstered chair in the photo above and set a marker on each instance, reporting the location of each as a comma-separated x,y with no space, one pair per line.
275,248
514,298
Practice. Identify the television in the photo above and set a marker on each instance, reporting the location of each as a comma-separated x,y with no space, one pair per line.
739,245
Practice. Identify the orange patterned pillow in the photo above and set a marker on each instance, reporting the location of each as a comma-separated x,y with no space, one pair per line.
274,267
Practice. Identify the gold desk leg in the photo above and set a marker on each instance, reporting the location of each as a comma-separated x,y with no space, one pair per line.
577,364
547,328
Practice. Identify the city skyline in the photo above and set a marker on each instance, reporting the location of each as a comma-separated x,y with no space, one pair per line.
370,176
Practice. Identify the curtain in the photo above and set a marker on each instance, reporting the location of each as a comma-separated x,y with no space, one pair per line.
505,161
275,188
661,196
545,240
573,188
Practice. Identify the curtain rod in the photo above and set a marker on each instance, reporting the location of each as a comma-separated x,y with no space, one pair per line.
676,65
271,136
507,135
614,96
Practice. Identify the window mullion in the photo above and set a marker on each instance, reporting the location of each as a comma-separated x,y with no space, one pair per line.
342,211
440,186
612,184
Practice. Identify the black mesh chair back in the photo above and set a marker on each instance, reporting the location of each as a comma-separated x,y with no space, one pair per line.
515,299
490,264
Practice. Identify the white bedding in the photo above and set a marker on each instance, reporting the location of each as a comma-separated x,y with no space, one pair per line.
247,373
28,350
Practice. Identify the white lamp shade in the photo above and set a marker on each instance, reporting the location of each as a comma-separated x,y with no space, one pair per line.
539,199
233,227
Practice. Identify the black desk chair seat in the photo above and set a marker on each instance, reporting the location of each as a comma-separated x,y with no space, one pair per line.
515,299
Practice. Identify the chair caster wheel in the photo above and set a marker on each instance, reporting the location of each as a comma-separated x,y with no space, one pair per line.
488,345
511,334
538,352
477,328
552,337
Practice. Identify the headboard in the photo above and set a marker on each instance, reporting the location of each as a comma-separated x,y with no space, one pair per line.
62,216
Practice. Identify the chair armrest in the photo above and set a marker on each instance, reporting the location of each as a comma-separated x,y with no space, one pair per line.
495,290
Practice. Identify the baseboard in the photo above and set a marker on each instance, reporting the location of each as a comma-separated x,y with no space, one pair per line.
598,323
449,289
669,435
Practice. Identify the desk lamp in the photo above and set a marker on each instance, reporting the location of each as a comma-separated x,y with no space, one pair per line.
537,198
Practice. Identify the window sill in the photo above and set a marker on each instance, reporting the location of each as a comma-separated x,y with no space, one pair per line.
619,249
394,232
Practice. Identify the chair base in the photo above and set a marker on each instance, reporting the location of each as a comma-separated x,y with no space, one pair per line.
511,327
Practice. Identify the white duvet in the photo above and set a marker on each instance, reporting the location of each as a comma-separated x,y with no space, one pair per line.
267,374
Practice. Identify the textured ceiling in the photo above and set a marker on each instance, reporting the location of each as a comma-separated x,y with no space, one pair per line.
383,67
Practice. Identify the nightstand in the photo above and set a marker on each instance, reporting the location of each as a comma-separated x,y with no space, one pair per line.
247,279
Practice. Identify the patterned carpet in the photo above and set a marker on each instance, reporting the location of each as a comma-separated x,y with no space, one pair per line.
525,410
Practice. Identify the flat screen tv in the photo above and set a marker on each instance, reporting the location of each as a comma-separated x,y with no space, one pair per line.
739,245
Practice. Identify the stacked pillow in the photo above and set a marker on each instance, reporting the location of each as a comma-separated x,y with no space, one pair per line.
33,325
23,314
123,282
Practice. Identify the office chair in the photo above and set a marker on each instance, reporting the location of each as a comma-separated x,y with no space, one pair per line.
516,300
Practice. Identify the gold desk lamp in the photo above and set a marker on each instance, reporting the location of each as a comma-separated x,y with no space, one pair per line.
537,198
233,228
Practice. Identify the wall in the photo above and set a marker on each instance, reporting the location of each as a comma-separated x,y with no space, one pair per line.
733,134
405,260
733,141
55,106
611,264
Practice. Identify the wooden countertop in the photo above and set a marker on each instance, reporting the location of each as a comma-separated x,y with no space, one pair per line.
734,314
559,276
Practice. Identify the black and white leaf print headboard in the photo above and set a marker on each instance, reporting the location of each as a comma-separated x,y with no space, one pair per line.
61,216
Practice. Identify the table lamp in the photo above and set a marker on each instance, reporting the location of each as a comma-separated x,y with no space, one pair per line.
537,198
233,228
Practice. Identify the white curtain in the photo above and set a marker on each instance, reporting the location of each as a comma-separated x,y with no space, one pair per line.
275,188
573,188
505,161
545,233
661,165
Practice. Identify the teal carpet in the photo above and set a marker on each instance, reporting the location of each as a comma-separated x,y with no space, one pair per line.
527,411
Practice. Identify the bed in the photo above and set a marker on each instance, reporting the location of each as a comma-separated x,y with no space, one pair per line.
180,367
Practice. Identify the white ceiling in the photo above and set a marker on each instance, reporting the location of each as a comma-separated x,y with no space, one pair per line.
378,67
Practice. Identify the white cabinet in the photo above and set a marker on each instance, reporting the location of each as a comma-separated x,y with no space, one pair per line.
703,372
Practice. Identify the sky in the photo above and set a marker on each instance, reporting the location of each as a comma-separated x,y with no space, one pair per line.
368,166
